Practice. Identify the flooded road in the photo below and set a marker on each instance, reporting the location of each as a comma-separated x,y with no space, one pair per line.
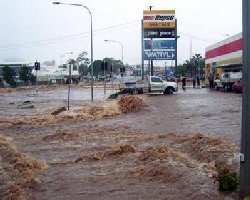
190,111
167,150
44,100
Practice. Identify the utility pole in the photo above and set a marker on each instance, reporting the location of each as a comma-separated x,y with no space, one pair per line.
104,73
245,130
142,51
152,62
165,70
176,37
69,84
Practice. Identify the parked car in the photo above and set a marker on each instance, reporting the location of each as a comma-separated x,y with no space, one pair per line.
238,86
151,84
227,80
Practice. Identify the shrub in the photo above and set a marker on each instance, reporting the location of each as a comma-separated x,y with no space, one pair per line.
8,75
228,180
114,96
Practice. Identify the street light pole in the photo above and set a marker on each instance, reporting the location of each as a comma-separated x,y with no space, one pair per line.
92,71
121,49
245,130
91,35
62,64
117,43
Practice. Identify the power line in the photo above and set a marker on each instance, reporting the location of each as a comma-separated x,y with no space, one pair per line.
78,36
195,37
64,38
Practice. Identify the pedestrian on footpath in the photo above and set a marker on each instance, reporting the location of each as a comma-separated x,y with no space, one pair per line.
211,81
194,82
198,82
183,83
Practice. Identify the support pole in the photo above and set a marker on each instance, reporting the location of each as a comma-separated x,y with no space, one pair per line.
176,37
152,62
245,131
104,73
142,51
36,82
166,70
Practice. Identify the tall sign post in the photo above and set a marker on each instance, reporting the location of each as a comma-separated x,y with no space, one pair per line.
176,38
151,63
245,131
142,50
159,36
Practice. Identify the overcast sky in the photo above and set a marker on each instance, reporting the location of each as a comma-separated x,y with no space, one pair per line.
38,30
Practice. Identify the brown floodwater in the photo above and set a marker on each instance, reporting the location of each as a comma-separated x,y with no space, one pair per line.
167,150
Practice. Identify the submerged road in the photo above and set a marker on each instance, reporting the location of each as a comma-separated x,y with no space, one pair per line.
152,164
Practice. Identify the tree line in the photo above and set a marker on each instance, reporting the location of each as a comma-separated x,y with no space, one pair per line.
194,67
82,62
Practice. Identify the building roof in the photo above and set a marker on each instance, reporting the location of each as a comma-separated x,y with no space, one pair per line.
227,51
16,63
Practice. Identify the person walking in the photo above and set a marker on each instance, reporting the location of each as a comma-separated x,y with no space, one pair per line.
198,82
183,83
211,81
194,82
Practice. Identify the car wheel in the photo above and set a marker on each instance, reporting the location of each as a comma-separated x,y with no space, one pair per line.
169,90
140,91
233,88
135,92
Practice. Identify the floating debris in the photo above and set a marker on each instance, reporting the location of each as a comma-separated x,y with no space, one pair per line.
118,150
20,170
130,103
26,105
59,110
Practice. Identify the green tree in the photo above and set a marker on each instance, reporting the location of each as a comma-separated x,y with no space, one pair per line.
181,70
97,70
116,65
73,62
25,73
197,64
187,66
83,63
8,75
83,69
32,79
194,66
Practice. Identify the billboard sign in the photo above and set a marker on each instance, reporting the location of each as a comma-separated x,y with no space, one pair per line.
159,25
159,33
159,19
159,55
159,44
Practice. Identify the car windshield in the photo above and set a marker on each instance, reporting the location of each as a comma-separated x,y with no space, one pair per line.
156,80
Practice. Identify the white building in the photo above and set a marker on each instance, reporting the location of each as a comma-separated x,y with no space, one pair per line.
54,74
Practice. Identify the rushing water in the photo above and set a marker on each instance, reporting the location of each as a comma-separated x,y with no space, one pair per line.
11,103
127,175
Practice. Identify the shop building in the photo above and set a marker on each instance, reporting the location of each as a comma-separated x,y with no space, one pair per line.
224,56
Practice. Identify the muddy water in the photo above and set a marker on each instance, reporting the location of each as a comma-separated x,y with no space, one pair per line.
190,111
143,155
44,100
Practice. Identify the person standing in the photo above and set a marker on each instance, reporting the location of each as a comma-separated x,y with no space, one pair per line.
198,82
194,82
211,81
183,83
